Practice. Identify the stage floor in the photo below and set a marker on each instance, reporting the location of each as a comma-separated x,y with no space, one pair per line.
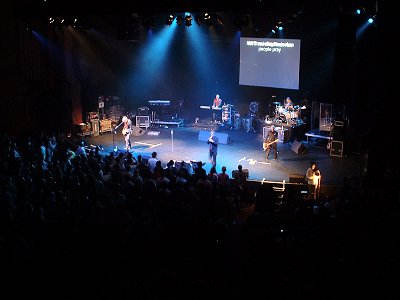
245,148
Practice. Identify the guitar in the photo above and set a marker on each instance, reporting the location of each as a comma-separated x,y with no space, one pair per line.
267,144
126,131
316,179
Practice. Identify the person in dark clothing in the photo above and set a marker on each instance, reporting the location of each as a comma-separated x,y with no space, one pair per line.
213,147
271,143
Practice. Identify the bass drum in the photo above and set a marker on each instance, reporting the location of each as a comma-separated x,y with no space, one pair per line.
246,122
238,123
268,120
294,114
285,116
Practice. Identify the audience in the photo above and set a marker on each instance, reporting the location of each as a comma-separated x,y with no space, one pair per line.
109,226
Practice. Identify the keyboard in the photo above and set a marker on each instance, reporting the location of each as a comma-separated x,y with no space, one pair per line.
210,107
159,102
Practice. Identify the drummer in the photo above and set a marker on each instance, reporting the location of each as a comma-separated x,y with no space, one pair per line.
288,105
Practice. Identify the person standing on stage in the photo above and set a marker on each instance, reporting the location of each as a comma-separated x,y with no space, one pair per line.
313,176
213,147
271,143
126,131
215,107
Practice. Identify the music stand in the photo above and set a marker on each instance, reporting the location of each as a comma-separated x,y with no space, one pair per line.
115,132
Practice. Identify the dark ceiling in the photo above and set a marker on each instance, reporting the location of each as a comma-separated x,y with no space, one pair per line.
91,7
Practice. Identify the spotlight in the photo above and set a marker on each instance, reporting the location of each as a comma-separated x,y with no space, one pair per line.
360,11
207,19
279,26
188,20
169,20
371,19
179,20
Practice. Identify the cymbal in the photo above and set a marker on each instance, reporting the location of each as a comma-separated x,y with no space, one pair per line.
276,103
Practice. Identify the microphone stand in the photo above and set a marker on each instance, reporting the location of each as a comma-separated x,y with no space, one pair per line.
114,133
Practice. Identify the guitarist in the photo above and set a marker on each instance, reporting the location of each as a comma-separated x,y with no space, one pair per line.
126,131
271,143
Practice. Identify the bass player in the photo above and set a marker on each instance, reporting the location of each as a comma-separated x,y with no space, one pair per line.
271,142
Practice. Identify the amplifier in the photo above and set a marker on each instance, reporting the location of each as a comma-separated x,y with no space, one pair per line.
92,115
143,121
143,111
336,148
105,125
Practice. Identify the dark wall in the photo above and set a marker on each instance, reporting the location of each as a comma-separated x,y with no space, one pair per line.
95,61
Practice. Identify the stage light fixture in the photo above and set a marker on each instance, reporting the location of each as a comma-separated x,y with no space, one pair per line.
148,21
241,21
360,11
371,19
279,26
207,19
188,20
198,19
179,20
169,21
219,20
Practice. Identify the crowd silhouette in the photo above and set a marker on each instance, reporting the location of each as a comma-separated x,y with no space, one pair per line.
80,223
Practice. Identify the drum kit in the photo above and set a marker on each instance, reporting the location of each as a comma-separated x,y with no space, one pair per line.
282,116
240,122
291,116
247,121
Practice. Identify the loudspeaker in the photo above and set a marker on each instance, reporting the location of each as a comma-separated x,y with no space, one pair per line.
298,147
297,178
338,131
143,121
95,127
245,171
223,137
143,111
137,131
336,148
283,135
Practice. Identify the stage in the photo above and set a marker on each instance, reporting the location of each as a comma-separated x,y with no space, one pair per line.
188,143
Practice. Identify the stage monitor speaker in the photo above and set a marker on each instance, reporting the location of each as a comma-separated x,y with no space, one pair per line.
245,171
137,131
297,178
298,147
223,137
